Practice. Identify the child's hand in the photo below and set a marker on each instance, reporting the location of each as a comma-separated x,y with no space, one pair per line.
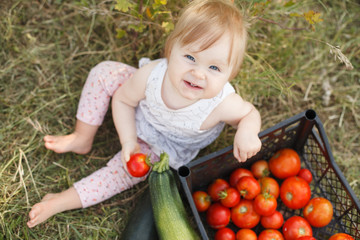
127,149
246,145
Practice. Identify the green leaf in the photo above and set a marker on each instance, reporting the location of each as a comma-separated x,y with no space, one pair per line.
312,17
120,33
295,15
137,28
123,5
161,2
168,26
289,3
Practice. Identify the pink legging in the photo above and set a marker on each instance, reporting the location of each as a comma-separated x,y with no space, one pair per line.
102,82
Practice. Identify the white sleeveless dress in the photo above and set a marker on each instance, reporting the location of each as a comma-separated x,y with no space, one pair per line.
176,132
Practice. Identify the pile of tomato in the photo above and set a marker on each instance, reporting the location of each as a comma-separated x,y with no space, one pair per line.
249,197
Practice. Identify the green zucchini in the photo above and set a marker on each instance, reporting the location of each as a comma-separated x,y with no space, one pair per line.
141,225
169,212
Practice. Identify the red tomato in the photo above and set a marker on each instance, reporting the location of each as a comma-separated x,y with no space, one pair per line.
248,187
341,236
306,238
305,174
138,165
216,187
265,204
269,185
296,227
247,234
218,216
243,215
270,234
237,174
318,212
295,192
274,221
260,169
202,200
230,197
225,234
285,163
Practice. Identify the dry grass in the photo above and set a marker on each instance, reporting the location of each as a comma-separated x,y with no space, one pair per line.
48,47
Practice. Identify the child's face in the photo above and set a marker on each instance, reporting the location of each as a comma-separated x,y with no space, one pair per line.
198,75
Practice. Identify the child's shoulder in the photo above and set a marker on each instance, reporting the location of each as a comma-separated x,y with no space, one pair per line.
150,64
145,70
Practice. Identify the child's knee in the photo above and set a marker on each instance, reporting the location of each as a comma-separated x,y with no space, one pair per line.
104,67
112,73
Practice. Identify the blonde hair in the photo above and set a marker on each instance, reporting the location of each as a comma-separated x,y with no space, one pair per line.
207,21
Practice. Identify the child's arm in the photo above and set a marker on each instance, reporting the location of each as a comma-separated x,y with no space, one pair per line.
125,99
243,116
246,141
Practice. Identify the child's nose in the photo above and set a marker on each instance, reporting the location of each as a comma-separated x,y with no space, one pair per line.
198,74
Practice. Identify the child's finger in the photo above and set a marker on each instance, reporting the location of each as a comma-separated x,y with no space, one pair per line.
250,154
124,161
236,154
243,156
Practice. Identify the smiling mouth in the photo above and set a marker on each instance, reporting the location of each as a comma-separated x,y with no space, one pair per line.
192,85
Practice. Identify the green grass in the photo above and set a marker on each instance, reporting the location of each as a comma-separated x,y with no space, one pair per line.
47,49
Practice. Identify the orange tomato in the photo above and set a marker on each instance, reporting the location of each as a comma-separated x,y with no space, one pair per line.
260,169
295,192
341,236
202,200
269,185
318,212
285,163
247,234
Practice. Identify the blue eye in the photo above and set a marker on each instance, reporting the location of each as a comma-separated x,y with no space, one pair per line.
191,58
214,68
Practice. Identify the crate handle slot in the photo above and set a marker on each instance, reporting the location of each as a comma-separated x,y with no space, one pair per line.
184,171
310,114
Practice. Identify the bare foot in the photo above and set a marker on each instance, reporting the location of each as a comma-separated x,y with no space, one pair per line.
52,204
68,143
43,210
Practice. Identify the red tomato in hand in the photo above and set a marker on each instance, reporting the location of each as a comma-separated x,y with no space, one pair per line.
260,169
305,174
274,221
246,233
230,197
218,216
306,238
138,165
265,204
216,187
202,200
341,236
269,185
285,163
225,234
318,212
248,187
237,174
270,234
295,192
243,215
296,227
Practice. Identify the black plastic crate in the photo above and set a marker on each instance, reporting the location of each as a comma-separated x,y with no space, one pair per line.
305,134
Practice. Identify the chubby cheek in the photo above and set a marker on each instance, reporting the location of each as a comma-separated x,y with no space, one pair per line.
211,91
176,70
173,74
217,85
